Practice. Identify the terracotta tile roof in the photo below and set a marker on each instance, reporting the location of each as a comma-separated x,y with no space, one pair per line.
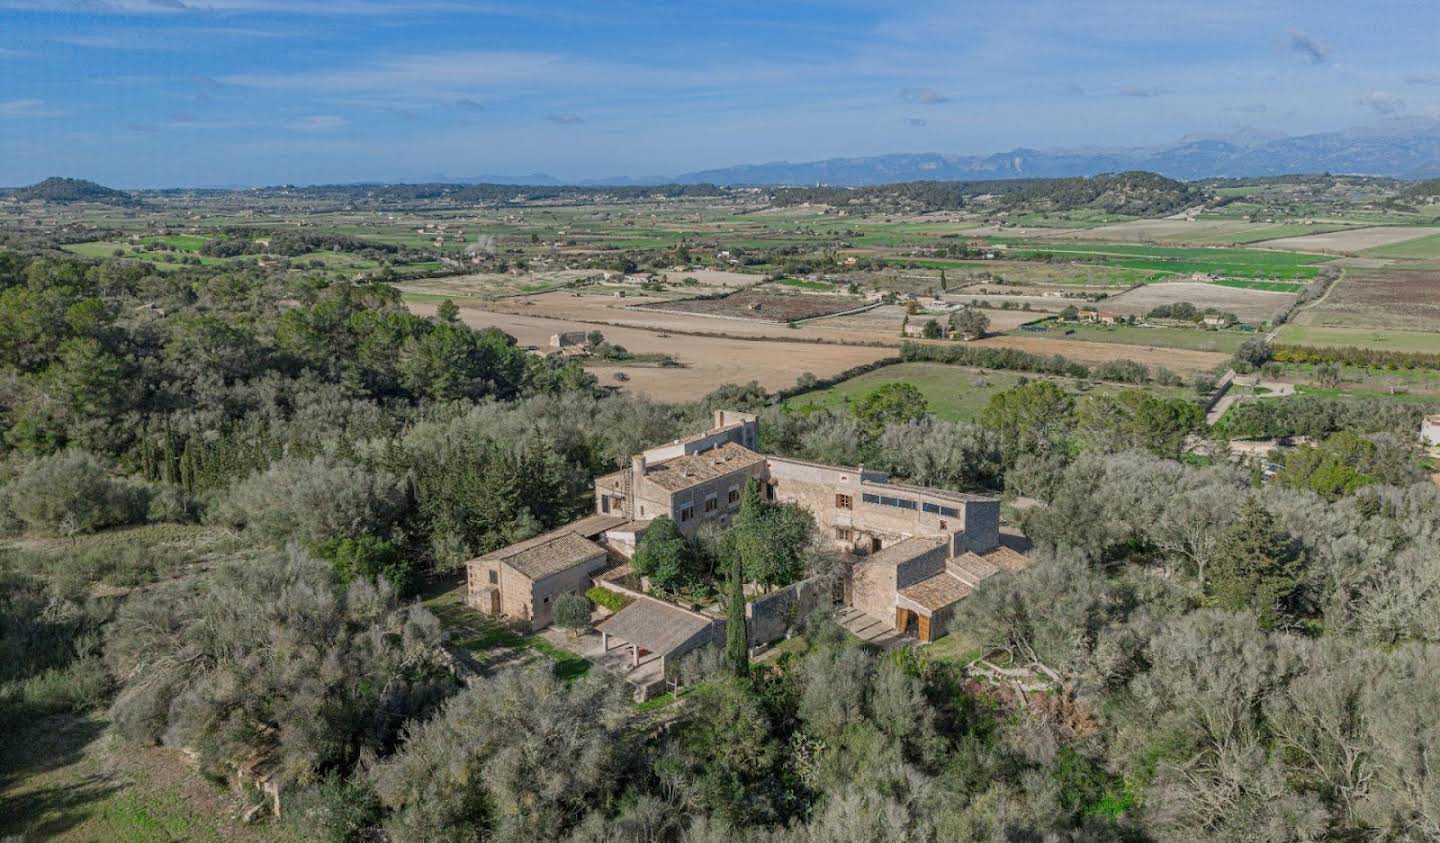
682,472
1007,559
938,591
546,554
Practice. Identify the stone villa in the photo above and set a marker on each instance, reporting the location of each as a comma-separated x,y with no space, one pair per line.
917,551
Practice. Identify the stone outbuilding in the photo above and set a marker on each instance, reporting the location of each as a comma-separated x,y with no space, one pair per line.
522,581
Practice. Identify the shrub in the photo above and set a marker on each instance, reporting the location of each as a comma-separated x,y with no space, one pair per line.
368,557
611,600
312,501
70,493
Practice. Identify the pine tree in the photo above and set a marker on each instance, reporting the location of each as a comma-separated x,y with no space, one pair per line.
1256,567
943,287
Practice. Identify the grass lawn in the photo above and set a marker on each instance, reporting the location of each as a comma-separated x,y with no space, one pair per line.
954,393
1234,263
1195,339
1363,379
1360,337
487,637
68,778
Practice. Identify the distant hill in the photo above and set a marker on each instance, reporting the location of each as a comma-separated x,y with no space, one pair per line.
1133,193
1406,150
63,190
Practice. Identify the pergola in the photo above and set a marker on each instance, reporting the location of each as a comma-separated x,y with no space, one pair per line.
655,626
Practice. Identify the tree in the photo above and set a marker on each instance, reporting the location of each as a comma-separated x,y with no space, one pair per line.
1032,417
447,311
943,285
1069,313
663,555
887,404
737,636
970,323
572,611
1257,567
312,501
1251,354
367,557
1133,419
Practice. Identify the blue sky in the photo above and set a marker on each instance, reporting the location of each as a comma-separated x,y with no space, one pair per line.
138,93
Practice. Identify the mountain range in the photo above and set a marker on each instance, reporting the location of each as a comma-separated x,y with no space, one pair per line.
1408,149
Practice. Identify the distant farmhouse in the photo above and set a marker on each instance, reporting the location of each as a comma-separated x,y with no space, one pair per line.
916,552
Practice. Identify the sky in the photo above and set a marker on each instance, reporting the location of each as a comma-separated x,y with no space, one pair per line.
176,93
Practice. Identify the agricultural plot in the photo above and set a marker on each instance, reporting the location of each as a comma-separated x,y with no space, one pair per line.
1354,239
1195,339
956,393
1420,248
1202,231
1229,263
1249,305
1376,338
1387,299
1028,273
767,304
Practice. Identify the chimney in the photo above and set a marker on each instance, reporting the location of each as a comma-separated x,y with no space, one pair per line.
719,420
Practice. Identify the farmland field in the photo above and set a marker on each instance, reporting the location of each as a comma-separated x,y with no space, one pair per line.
1419,248
956,393
1204,231
1389,299
1354,239
1231,263
1249,305
1377,338
1196,339
766,304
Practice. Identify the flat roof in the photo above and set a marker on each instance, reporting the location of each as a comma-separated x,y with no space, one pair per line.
682,472
929,491
904,551
654,625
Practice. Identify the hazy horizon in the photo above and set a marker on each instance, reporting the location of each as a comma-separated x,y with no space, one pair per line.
145,93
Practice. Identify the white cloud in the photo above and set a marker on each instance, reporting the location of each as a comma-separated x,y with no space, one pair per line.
318,123
1382,102
29,107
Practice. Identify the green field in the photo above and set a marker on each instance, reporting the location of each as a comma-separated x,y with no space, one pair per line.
803,284
1419,248
954,393
1234,263
1268,286
1361,338
1194,339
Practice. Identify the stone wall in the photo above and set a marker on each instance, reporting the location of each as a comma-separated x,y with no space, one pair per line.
544,592
769,617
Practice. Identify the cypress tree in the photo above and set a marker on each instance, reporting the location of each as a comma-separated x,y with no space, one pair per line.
737,647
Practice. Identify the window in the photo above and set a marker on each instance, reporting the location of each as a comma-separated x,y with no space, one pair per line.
947,511
604,503
734,496
770,491
844,502
869,498
687,512
711,504
843,534
494,577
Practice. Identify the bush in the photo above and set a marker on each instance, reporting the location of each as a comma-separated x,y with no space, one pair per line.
71,493
312,501
368,557
611,600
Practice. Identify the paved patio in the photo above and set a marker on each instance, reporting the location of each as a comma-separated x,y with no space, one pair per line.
872,630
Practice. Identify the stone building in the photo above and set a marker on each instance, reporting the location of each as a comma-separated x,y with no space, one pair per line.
1430,431
917,550
522,581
